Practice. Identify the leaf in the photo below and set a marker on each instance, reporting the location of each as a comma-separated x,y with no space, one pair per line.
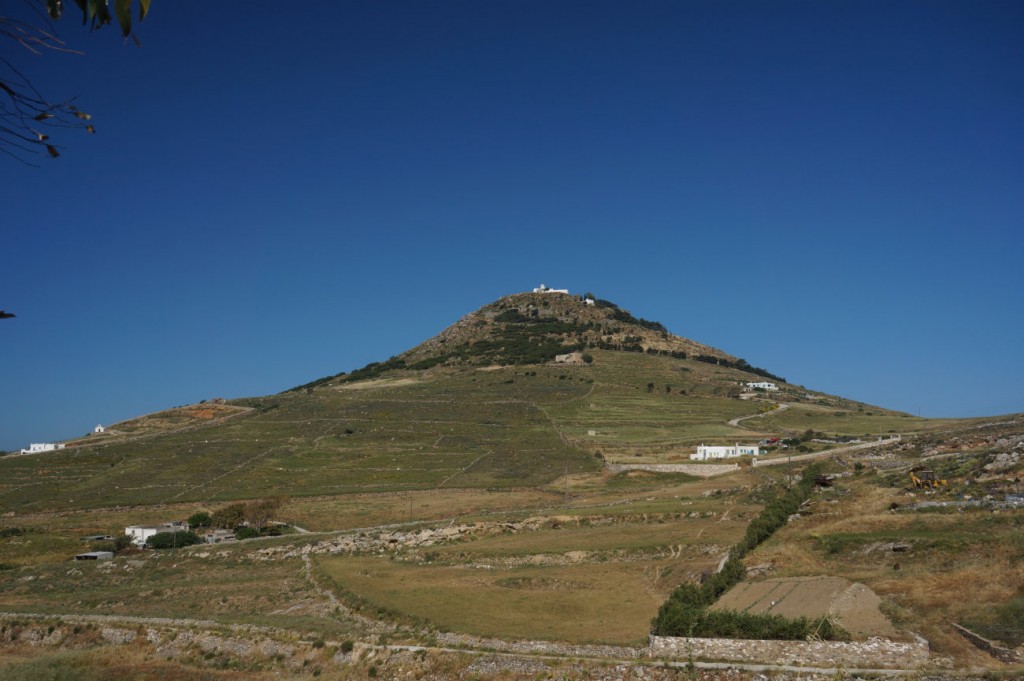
100,13
91,129
53,150
143,9
84,116
123,10
54,7
42,116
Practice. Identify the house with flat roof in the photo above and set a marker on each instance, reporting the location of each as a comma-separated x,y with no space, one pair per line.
706,452
40,447
140,534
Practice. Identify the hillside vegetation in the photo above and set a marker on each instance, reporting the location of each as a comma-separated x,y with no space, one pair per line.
473,467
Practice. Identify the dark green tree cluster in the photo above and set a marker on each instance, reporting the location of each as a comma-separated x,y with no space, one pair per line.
255,514
686,612
624,316
740,364
171,540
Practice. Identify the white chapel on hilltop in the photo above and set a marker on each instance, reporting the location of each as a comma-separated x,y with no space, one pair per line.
544,289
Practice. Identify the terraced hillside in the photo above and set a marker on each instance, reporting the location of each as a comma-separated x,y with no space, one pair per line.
471,470
470,417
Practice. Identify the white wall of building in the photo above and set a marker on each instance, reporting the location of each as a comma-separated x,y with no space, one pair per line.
763,385
39,447
705,452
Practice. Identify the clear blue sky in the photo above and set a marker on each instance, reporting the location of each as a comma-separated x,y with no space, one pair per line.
276,192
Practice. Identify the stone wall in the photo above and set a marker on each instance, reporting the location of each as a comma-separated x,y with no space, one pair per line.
875,653
697,469
1000,653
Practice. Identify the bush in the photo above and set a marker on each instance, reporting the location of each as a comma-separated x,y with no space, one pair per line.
170,540
245,532
200,519
686,613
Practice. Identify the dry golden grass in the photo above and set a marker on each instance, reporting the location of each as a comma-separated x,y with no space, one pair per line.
363,510
960,565
577,603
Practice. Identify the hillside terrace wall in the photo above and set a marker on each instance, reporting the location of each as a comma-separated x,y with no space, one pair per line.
1000,653
874,653
696,469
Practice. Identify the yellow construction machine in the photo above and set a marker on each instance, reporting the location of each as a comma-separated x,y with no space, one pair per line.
923,478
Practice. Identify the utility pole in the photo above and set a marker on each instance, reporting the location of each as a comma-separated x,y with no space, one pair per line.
566,476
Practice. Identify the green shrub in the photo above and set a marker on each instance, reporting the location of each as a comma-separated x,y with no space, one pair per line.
686,613
245,532
169,540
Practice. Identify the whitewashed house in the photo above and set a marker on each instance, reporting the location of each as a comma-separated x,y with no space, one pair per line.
141,533
40,447
763,385
705,452
544,289
99,429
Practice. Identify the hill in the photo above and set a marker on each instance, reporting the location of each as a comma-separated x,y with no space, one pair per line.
534,328
481,405
474,468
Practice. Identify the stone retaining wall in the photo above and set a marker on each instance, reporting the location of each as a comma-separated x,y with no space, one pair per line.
875,653
1000,653
697,469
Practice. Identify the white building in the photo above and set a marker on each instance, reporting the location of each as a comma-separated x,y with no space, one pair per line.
763,385
141,533
705,452
99,429
41,447
544,289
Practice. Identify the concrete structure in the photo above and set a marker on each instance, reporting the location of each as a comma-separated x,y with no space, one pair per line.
41,447
141,533
99,429
220,537
95,555
544,289
705,452
570,358
763,385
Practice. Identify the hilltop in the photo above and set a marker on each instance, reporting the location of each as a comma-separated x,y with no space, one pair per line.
534,328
